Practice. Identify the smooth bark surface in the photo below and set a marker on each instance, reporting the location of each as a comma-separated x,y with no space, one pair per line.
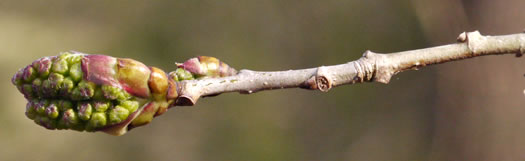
369,68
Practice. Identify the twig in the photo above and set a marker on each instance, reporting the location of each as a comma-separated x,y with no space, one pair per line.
370,67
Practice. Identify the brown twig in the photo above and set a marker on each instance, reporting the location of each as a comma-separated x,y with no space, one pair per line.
370,67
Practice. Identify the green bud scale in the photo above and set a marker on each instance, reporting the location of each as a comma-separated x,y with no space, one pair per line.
85,92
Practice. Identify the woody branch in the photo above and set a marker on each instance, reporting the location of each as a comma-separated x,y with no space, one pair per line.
371,67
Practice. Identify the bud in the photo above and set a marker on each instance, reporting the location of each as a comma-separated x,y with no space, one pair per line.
133,77
29,73
84,111
55,81
52,110
100,69
76,72
17,78
182,74
102,93
37,87
40,107
30,110
69,120
64,105
59,64
101,106
118,114
84,91
98,120
27,90
205,66
66,88
47,90
114,93
172,92
74,58
43,66
147,114
158,81
130,105
46,122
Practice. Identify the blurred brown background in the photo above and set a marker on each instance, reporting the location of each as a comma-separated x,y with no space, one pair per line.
466,110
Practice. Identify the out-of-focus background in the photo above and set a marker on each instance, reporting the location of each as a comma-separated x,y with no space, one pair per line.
465,110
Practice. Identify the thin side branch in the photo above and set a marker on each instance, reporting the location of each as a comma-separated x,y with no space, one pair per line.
370,67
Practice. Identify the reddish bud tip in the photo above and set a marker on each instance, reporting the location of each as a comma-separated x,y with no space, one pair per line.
100,69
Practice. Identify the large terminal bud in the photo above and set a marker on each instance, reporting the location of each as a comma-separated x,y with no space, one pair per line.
102,93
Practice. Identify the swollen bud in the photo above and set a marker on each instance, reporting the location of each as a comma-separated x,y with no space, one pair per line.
52,110
84,111
118,114
182,74
98,120
114,93
69,120
205,66
100,106
60,64
43,66
84,92
76,72
17,78
30,110
29,73
66,87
